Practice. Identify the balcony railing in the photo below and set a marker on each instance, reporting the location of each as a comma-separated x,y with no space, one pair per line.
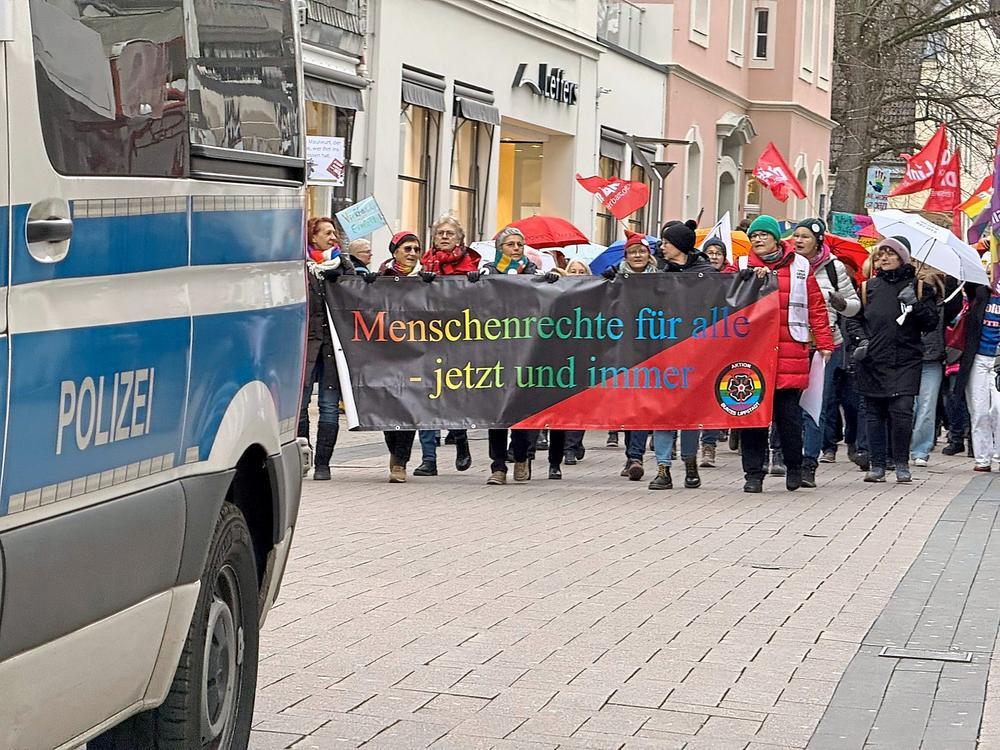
619,22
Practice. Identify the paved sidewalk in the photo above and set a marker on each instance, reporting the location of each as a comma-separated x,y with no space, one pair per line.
591,612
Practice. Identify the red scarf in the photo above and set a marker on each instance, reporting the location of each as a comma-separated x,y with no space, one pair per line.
450,262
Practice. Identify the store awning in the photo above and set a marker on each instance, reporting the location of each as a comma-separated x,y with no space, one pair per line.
334,94
613,144
423,89
471,109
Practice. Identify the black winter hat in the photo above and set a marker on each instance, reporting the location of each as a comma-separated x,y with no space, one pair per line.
816,226
715,242
680,236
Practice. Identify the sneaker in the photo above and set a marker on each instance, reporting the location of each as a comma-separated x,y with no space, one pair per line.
522,471
777,464
543,440
497,477
953,449
321,473
863,460
628,463
828,457
426,469
983,467
397,473
570,459
903,475
707,456
920,462
634,470
754,485
808,477
612,440
662,480
875,474
554,472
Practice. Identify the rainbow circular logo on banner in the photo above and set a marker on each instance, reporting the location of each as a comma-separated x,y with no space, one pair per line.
739,389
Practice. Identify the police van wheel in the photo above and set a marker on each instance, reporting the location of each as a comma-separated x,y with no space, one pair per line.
210,703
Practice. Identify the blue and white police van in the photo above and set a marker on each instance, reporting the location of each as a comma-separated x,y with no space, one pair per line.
152,328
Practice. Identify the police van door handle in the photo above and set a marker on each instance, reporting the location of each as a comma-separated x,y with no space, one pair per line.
51,229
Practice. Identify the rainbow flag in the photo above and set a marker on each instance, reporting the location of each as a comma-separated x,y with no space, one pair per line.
980,199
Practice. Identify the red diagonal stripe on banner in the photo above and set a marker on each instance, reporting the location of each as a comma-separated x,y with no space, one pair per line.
695,407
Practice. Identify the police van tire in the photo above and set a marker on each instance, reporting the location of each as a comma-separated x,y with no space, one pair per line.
210,704
198,711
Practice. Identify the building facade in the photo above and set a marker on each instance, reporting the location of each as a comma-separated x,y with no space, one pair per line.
488,111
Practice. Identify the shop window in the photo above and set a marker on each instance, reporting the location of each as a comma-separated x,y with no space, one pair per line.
111,103
326,119
605,229
471,150
418,146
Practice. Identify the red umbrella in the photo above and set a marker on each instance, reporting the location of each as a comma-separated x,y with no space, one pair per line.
549,231
850,252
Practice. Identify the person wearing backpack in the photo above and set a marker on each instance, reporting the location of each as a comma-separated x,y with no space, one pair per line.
895,311
841,299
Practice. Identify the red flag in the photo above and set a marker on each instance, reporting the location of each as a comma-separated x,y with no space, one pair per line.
946,187
772,172
621,197
920,167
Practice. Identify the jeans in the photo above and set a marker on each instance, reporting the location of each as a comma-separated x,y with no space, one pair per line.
520,441
984,409
815,434
708,437
429,443
956,411
788,422
896,413
925,417
329,399
663,445
635,444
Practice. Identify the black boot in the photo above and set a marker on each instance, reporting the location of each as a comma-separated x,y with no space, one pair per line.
953,449
554,471
426,469
793,479
809,476
662,480
691,478
754,484
463,458
326,439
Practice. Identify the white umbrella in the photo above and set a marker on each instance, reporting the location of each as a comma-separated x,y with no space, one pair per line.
583,252
936,246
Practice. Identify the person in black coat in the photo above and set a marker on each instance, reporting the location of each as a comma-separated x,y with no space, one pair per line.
324,261
895,312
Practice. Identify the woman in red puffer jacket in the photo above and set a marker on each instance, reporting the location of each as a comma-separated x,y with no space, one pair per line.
803,320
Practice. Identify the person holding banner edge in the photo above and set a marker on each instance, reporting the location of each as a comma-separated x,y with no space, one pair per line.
323,259
447,256
803,311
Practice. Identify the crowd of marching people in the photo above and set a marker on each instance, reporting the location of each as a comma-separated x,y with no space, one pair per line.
910,354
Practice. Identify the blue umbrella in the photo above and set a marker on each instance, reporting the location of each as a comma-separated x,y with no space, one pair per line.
616,252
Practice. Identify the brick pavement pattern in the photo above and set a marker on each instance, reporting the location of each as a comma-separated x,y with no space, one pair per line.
586,613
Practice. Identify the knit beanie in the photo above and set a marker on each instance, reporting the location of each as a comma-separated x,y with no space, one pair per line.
816,226
765,223
715,242
504,234
635,238
399,238
899,245
680,236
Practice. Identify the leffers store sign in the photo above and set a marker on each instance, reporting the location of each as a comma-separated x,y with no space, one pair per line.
550,83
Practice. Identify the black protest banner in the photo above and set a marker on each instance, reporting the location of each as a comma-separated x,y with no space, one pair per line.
665,351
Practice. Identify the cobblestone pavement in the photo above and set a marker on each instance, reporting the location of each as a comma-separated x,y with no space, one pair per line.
593,613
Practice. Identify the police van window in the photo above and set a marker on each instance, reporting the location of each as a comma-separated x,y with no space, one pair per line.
243,85
111,86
